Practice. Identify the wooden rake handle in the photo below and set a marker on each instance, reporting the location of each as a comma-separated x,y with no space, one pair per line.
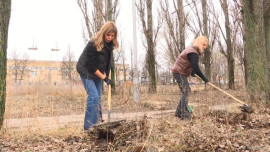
109,99
223,91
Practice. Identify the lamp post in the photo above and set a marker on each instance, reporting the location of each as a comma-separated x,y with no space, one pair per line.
136,92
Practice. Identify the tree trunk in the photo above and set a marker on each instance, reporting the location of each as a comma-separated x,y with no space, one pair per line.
257,65
109,10
99,14
230,59
267,27
207,54
5,9
150,57
181,18
148,32
267,31
109,18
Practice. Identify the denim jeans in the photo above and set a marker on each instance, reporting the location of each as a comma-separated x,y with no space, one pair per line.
93,111
182,108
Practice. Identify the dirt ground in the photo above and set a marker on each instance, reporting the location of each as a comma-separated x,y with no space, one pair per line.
217,124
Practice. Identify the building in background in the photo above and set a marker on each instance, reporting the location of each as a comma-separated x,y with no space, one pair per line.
51,72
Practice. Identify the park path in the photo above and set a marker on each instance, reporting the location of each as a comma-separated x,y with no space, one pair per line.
47,123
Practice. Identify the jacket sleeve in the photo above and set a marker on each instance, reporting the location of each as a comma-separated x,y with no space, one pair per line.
194,59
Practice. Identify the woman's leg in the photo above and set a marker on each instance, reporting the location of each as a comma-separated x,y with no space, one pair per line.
99,89
183,85
91,112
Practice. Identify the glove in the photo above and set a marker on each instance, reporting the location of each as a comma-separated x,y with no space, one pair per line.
108,81
193,74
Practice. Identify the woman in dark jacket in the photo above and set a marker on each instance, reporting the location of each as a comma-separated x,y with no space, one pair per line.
93,64
185,65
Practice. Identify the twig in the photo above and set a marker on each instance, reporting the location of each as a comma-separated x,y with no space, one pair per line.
150,131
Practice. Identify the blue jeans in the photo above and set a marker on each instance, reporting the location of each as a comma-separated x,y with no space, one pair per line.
93,111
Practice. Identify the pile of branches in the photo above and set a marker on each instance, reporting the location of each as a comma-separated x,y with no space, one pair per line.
119,135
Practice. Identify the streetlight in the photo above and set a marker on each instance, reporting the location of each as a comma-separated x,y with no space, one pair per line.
136,93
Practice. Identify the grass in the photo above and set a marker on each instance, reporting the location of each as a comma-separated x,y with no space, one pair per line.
209,131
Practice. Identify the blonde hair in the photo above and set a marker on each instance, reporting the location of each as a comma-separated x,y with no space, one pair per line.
105,29
199,39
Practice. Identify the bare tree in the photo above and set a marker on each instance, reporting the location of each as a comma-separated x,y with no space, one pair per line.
15,66
227,38
181,21
68,65
19,66
5,9
194,19
124,65
83,4
207,54
151,37
131,63
101,11
202,25
237,33
112,10
174,32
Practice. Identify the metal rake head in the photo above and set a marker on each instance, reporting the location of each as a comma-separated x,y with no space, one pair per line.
247,109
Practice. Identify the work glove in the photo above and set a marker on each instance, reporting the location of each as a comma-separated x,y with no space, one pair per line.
108,81
193,74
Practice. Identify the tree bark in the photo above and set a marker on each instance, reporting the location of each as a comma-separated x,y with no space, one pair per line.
267,28
181,20
207,54
267,32
150,57
148,32
109,10
257,65
5,9
230,59
99,14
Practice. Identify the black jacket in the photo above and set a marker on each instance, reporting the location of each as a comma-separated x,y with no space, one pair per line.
91,60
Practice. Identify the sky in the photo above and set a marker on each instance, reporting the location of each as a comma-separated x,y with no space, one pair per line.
51,24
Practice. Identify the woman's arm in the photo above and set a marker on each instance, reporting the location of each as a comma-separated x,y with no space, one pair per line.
194,59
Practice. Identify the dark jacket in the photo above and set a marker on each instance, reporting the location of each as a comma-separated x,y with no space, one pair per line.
92,60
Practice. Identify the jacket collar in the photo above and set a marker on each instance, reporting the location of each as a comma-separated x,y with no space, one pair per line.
197,49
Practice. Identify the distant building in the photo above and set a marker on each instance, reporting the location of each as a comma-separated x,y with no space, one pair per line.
50,72
121,73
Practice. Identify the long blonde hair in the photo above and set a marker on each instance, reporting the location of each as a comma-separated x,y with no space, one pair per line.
105,29
199,40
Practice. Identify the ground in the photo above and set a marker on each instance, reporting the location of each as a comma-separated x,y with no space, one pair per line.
217,125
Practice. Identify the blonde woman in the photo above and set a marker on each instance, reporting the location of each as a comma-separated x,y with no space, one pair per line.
93,64
185,65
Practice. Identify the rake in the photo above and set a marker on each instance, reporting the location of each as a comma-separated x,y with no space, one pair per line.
245,108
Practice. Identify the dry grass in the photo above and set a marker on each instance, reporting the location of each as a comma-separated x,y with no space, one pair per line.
218,124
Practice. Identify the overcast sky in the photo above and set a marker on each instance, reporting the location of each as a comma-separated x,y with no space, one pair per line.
48,24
